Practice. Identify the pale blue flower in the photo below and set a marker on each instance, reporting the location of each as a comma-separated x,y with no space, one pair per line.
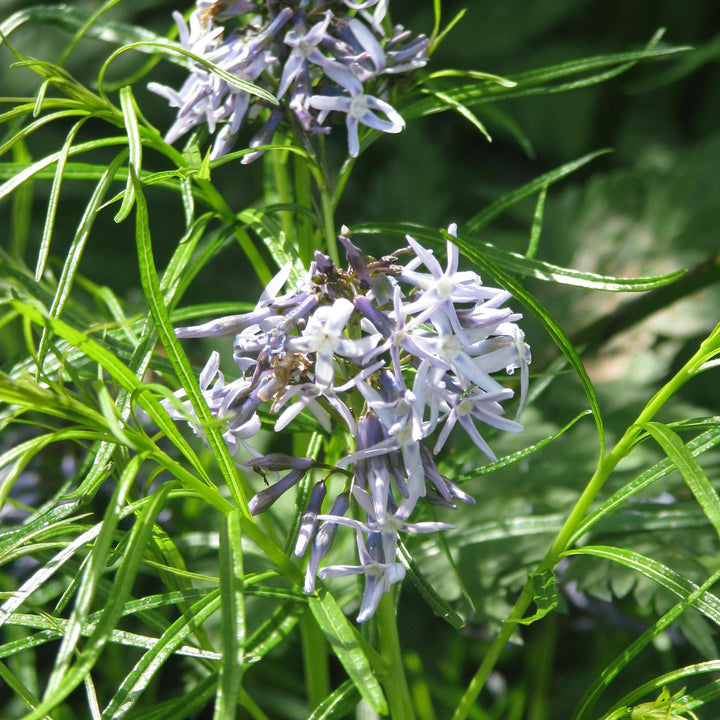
323,540
377,565
309,521
324,337
359,108
381,8
464,406
304,51
406,57
422,367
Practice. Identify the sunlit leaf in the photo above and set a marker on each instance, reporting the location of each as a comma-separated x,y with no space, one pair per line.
345,643
689,468
127,103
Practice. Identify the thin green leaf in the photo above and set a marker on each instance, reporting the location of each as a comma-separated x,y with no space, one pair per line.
188,201
484,217
175,51
689,468
19,135
461,110
701,423
536,228
176,355
439,37
152,661
347,646
22,205
127,104
699,445
546,80
233,618
54,199
473,74
567,276
707,603
76,248
519,264
633,650
437,14
339,704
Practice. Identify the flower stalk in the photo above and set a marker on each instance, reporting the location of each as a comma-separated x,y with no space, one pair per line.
395,682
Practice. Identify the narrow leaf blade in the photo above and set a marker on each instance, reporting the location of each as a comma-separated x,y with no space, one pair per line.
348,649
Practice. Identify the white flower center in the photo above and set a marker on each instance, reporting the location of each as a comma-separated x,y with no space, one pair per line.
443,287
404,435
464,407
358,106
449,347
398,336
326,344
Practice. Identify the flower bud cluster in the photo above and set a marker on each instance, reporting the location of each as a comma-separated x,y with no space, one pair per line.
413,349
313,56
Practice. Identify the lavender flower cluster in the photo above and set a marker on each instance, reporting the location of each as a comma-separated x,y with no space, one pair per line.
412,349
314,56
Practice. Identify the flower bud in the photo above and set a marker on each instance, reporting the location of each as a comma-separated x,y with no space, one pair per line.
309,521
323,540
356,260
265,498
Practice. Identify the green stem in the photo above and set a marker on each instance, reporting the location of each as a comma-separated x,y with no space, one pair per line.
303,197
539,669
394,682
566,535
328,213
283,187
315,660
